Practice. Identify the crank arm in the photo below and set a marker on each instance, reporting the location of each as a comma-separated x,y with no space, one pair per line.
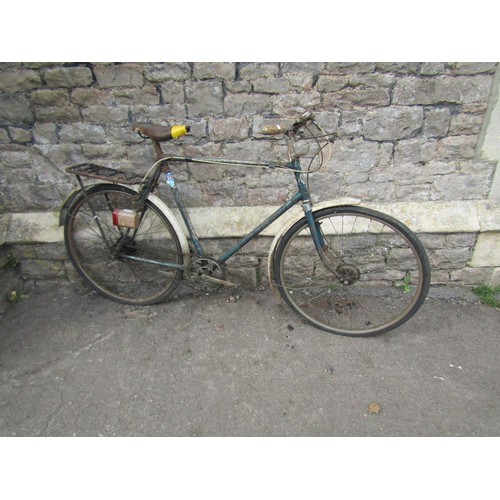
215,280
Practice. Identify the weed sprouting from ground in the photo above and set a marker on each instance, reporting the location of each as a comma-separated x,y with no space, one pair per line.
488,295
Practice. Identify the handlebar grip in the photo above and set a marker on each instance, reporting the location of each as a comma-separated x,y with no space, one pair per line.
178,131
273,130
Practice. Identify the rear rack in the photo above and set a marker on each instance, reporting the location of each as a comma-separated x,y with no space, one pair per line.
105,173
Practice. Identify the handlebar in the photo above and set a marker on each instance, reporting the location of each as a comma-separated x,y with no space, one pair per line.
279,129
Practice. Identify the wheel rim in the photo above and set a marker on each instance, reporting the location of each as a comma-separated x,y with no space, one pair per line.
380,278
112,273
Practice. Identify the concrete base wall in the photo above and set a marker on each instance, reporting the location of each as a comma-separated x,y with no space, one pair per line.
462,240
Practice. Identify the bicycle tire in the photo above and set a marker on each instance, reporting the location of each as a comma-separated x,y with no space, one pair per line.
115,276
382,272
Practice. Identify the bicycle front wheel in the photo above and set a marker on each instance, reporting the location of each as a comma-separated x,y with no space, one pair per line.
133,266
376,275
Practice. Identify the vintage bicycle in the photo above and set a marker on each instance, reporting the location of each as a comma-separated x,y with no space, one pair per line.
346,269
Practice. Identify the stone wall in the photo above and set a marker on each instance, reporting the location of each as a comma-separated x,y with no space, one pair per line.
405,133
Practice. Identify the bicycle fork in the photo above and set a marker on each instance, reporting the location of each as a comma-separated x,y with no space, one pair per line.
315,228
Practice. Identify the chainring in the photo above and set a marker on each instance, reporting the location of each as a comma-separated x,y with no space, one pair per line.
203,268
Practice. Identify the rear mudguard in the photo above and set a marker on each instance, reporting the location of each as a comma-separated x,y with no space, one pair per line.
296,216
154,199
63,214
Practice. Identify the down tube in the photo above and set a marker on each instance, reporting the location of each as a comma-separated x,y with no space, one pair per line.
250,236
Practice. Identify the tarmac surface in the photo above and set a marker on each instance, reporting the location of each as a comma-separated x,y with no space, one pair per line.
75,364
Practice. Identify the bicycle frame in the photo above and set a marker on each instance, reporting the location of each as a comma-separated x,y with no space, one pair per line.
302,195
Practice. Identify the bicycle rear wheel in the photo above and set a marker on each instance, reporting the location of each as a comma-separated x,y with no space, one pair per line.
380,274
131,266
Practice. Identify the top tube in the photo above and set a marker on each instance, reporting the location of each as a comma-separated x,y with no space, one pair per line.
222,161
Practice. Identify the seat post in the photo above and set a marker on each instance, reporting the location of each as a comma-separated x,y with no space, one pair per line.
159,151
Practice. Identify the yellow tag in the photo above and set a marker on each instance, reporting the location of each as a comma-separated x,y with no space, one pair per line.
178,131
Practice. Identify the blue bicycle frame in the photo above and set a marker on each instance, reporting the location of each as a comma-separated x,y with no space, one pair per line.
302,195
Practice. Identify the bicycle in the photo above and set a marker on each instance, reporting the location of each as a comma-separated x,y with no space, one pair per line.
345,269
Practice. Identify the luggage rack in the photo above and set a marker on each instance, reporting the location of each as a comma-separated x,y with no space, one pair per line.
105,173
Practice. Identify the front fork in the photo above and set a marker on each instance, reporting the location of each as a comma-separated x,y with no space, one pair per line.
315,228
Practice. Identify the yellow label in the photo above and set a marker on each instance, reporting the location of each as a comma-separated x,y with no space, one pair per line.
178,131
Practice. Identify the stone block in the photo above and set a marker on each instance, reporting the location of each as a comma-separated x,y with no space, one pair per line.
104,152
487,251
394,123
246,104
211,70
294,104
436,122
471,276
434,217
79,76
372,191
459,187
35,227
473,68
354,155
301,81
91,97
49,98
415,150
458,147
449,258
45,133
343,68
441,89
120,75
204,99
401,68
15,110
495,278
238,86
329,83
163,114
293,68
271,85
350,124
4,136
230,129
375,80
489,215
251,71
106,114
20,135
432,68
147,95
466,124
357,97
61,114
19,80
82,133
167,71
172,92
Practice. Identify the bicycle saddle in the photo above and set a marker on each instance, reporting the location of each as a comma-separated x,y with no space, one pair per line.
159,133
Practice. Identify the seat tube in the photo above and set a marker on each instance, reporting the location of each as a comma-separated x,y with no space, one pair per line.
184,213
